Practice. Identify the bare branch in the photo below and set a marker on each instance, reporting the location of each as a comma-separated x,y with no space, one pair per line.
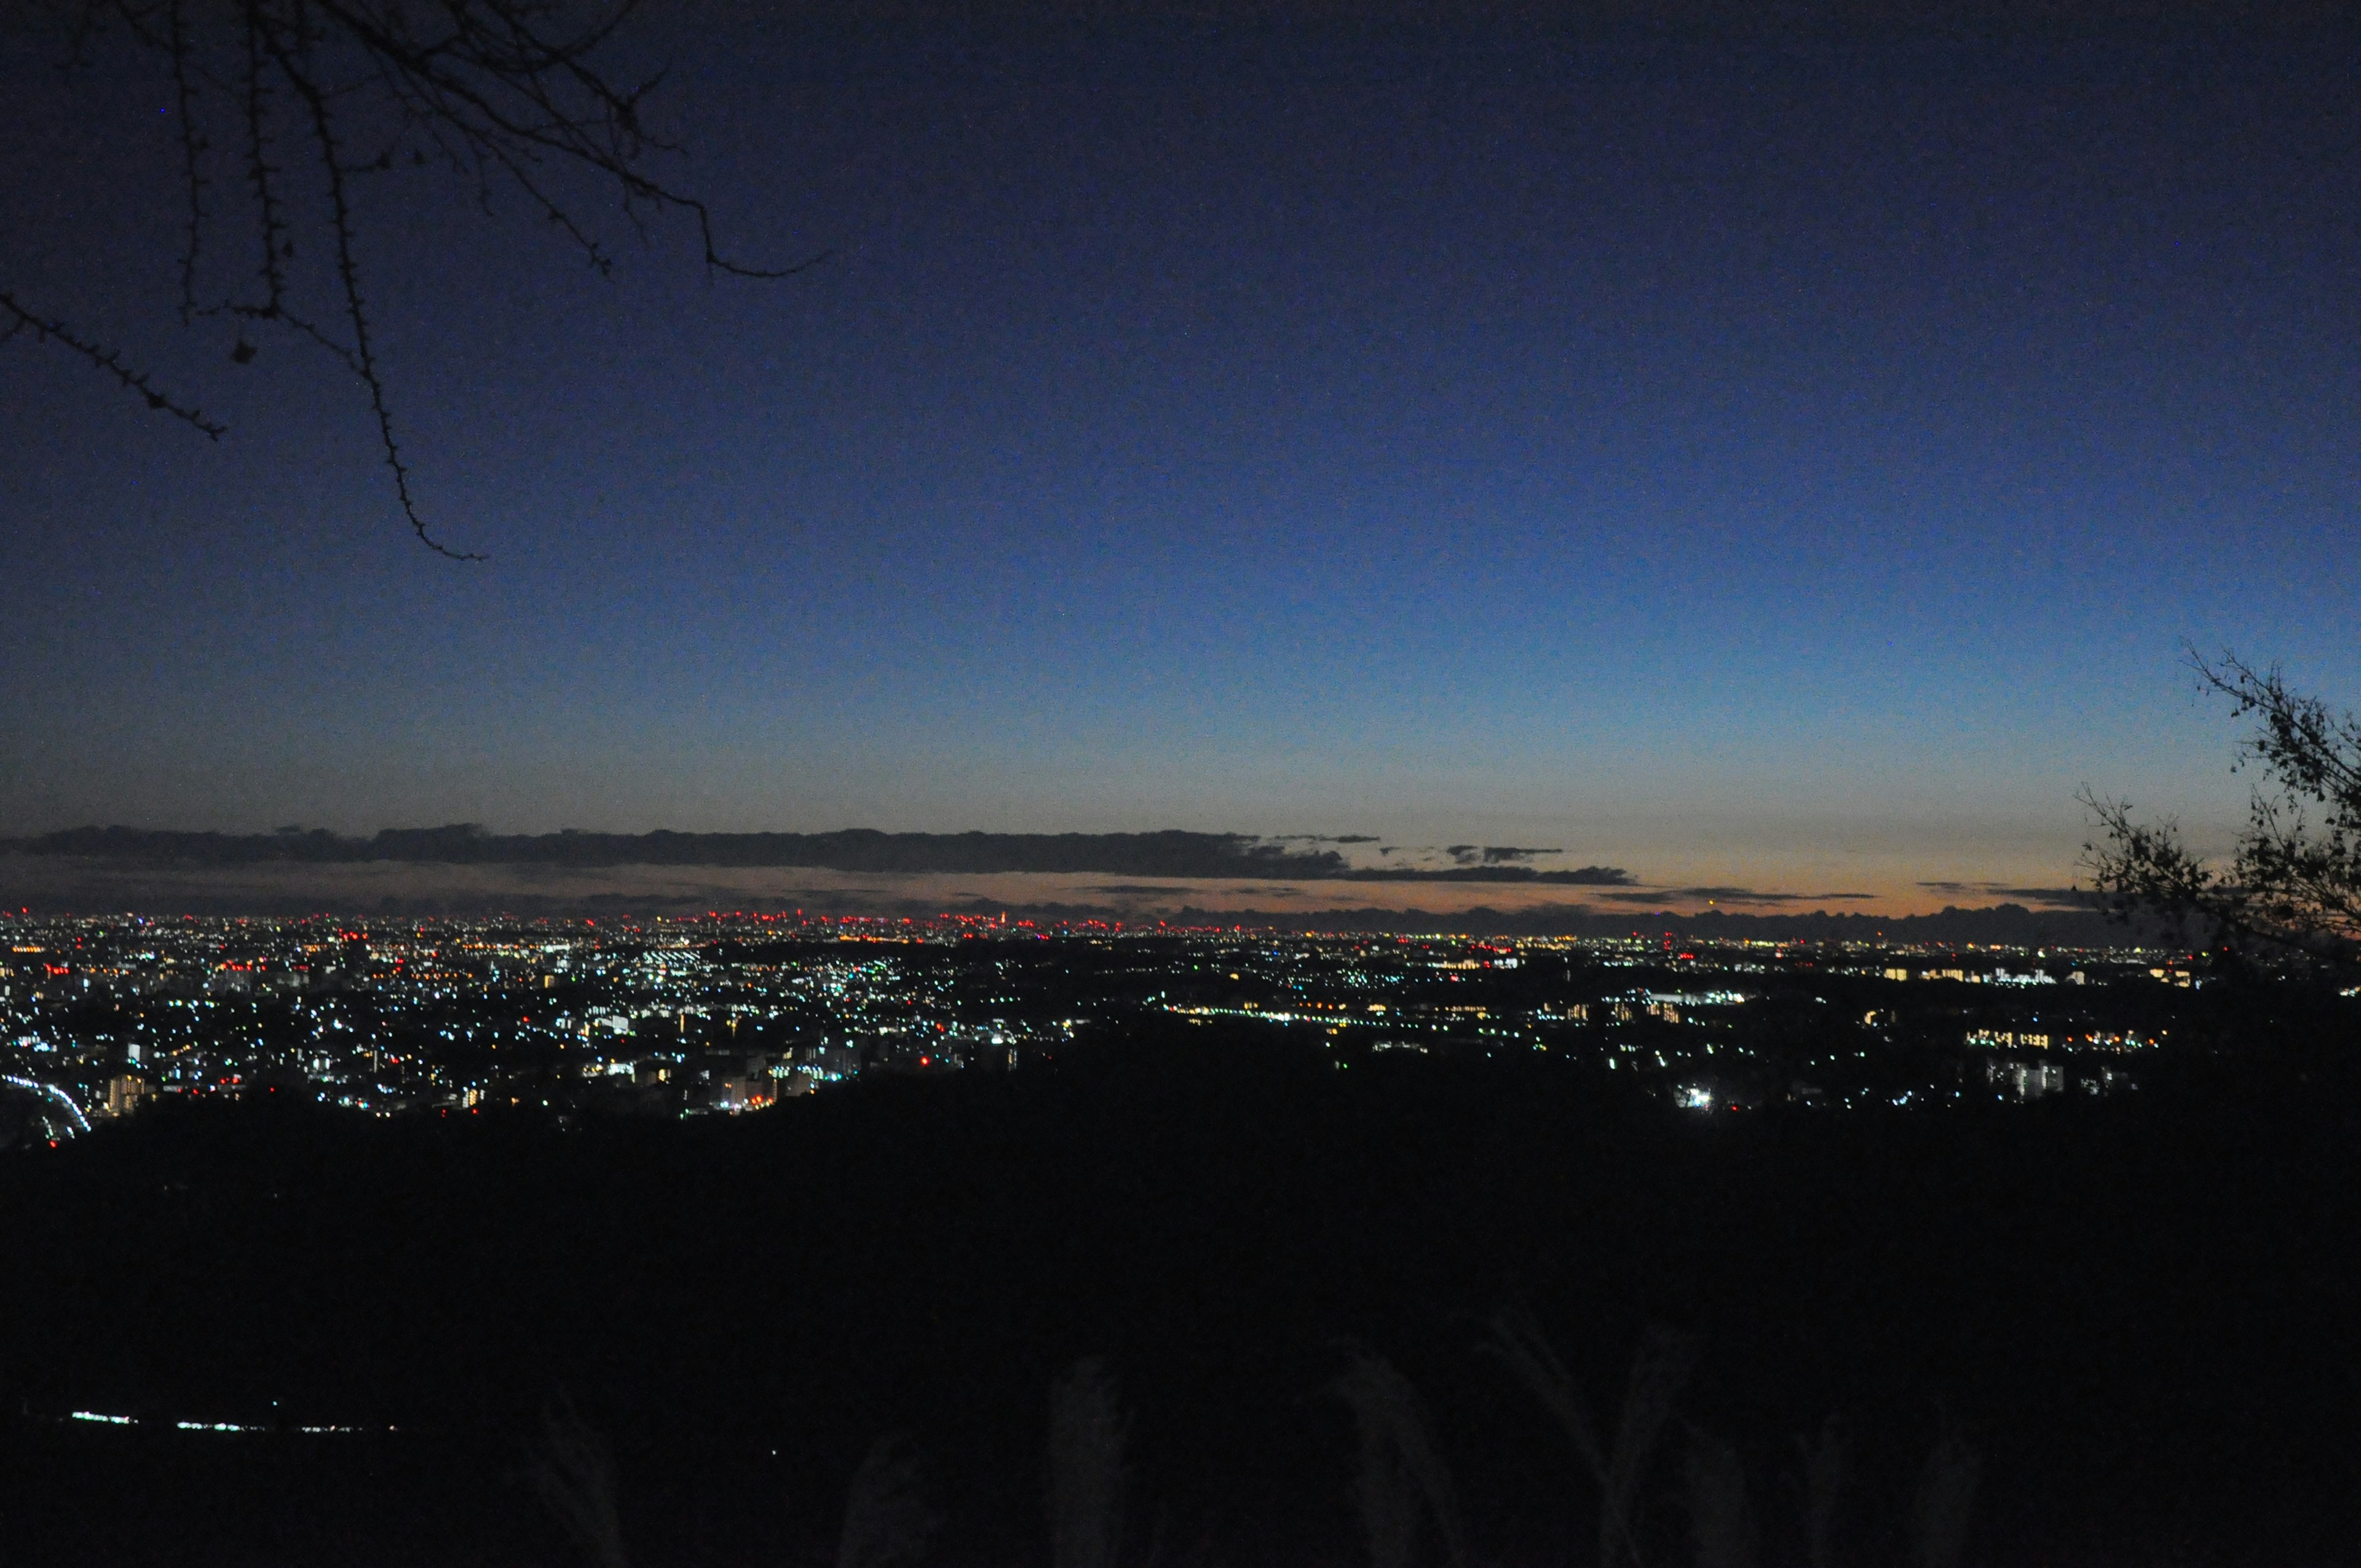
607,137
107,360
191,145
258,170
497,91
348,273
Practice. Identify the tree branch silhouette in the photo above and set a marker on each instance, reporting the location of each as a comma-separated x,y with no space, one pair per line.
2293,881
49,328
501,93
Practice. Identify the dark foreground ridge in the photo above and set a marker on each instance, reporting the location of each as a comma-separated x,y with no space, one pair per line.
2134,1311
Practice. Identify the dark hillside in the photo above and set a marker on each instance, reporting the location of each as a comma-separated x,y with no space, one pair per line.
2138,1311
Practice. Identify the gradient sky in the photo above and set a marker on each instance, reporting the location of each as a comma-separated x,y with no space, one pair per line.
1791,462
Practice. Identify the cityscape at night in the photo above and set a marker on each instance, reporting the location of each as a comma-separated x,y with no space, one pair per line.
761,1205
1180,783
734,1014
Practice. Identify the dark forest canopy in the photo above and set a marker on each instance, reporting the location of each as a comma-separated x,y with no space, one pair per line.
1167,853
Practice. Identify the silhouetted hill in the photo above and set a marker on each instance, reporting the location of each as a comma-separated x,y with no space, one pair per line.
2130,1308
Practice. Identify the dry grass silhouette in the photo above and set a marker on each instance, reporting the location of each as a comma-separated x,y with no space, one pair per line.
1402,1487
887,1521
1721,1523
1659,1370
1401,1475
1087,1479
1823,1479
1946,1498
573,1474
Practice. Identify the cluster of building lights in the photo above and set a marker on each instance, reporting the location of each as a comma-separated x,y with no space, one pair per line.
734,1013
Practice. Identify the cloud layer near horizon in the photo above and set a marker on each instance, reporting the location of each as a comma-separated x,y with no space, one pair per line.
1126,876
1168,853
59,883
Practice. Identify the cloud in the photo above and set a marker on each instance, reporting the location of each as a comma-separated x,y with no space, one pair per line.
1492,854
2051,897
1578,876
2039,897
1233,857
1464,857
1171,852
1730,895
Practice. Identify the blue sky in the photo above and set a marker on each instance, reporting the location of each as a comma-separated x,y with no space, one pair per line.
1793,468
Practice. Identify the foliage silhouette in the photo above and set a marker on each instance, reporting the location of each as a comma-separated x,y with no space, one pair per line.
2292,886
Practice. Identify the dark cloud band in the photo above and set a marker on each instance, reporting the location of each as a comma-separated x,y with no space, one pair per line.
1170,853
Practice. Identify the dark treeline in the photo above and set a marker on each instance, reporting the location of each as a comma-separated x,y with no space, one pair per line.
2136,1312
1167,853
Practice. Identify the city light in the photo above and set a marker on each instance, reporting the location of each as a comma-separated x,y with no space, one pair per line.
738,1014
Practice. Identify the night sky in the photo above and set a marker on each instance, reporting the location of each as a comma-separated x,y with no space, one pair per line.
1788,460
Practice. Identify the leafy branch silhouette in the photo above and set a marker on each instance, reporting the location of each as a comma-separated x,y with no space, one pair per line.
2292,888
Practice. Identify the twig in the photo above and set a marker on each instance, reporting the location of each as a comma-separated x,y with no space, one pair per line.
348,273
109,360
